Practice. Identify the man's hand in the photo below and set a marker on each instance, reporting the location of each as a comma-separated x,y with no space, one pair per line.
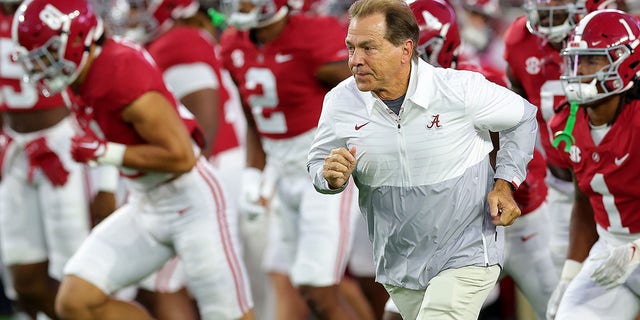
338,166
87,147
569,271
503,208
40,156
616,265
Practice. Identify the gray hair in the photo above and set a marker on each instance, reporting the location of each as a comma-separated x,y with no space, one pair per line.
400,21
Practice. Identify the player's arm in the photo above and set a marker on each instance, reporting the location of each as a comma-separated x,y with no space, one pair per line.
255,156
169,147
333,73
203,104
582,226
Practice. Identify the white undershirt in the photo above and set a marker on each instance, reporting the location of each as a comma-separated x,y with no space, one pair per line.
598,132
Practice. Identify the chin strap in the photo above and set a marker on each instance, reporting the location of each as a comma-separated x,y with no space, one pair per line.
566,135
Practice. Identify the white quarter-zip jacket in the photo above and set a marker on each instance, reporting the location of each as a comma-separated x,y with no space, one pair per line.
424,174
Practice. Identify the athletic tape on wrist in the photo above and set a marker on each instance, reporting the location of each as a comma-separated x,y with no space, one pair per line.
113,155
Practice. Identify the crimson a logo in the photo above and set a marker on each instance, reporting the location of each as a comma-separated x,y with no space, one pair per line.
435,122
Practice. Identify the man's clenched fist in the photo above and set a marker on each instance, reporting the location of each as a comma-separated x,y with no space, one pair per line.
338,166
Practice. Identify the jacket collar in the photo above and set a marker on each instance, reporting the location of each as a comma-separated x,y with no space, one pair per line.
419,95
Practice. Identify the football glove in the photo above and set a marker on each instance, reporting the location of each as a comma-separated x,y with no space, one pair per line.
617,265
257,190
87,147
40,156
569,271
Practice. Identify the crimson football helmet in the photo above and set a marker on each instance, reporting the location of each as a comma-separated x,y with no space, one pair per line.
54,39
593,5
439,35
553,20
262,13
607,33
143,20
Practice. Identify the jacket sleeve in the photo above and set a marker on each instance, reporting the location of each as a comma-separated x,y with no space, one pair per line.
324,141
516,147
498,109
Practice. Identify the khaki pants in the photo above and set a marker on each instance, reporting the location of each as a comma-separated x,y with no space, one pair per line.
452,294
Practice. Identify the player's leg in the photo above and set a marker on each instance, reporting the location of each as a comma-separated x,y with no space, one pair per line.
584,299
528,259
119,252
254,231
362,268
324,240
205,237
164,293
279,255
350,289
560,202
24,246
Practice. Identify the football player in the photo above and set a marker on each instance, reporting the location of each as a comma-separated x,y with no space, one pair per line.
283,65
602,63
176,204
532,52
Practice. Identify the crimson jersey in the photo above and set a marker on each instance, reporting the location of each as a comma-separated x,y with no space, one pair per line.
537,66
533,190
284,109
607,173
168,50
120,74
16,95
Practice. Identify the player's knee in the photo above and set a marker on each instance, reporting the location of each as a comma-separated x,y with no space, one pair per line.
69,307
320,299
30,282
78,299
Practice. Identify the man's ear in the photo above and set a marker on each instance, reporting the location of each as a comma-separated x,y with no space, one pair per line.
407,51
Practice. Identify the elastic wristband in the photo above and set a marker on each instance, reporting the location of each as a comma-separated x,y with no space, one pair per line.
107,177
113,155
570,269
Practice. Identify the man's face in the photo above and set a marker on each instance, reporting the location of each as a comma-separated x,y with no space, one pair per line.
549,17
373,60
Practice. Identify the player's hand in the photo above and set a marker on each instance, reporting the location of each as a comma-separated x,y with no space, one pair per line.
40,156
87,147
503,208
338,166
569,271
616,265
257,189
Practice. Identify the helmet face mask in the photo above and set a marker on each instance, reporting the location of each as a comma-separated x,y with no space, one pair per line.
261,12
143,20
601,58
54,41
595,85
128,18
45,69
552,22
